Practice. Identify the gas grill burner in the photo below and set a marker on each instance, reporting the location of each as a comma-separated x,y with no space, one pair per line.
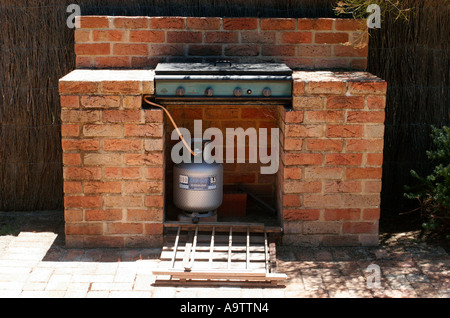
223,80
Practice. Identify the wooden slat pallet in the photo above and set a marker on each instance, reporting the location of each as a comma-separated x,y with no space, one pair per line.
218,254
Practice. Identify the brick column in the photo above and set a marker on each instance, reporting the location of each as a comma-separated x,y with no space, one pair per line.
332,154
113,159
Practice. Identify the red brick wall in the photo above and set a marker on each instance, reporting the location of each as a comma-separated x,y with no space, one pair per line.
113,160
331,153
139,42
331,140
329,188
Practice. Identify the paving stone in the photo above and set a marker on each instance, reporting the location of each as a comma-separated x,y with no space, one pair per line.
39,274
36,265
75,294
340,293
97,294
355,282
360,293
106,268
381,254
58,282
323,256
13,293
425,290
143,282
445,293
4,243
73,255
398,281
340,254
417,278
248,293
44,294
129,294
91,255
114,286
312,282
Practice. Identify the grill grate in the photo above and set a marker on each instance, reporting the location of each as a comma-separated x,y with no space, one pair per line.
219,254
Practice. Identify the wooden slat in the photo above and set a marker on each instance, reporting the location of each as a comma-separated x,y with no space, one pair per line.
216,273
230,243
192,256
266,253
211,247
204,238
217,248
224,226
226,274
247,265
249,283
176,247
194,272
205,256
273,256
187,250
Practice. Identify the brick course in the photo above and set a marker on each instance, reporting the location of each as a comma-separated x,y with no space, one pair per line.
142,42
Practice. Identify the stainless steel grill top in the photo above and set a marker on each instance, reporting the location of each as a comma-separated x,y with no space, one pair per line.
222,68
223,80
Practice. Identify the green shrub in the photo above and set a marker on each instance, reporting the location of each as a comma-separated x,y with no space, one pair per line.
433,191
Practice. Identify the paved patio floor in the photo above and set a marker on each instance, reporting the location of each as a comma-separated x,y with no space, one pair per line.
35,264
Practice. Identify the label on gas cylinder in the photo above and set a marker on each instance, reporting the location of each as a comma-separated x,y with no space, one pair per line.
196,183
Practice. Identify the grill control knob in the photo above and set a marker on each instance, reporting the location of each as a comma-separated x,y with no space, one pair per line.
237,91
209,92
180,91
267,92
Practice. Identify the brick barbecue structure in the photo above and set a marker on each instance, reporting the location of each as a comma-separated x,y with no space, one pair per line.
327,189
